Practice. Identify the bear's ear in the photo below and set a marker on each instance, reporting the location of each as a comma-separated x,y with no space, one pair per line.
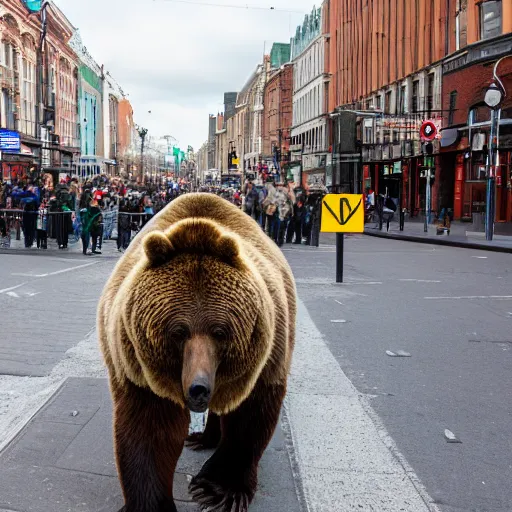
204,236
158,248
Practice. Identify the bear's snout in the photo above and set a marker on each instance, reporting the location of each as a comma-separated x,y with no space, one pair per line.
198,375
199,395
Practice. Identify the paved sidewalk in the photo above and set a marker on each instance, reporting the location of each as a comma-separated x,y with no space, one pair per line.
63,461
461,235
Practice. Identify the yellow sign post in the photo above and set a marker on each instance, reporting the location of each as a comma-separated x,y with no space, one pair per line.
342,213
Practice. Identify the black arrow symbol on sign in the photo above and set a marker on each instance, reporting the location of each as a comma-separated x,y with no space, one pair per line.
344,201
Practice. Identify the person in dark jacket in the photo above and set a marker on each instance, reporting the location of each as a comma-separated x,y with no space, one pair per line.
95,228
299,212
124,227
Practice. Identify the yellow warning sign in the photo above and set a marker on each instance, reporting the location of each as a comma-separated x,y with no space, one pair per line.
343,213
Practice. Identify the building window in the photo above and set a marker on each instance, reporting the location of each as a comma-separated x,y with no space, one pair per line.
453,103
430,93
387,105
461,24
369,105
490,19
377,102
403,103
415,95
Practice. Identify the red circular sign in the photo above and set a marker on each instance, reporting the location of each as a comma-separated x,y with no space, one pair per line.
428,131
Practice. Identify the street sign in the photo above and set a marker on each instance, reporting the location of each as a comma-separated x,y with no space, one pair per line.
34,5
428,131
343,213
9,140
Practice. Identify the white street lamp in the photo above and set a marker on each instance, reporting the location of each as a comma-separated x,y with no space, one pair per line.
493,96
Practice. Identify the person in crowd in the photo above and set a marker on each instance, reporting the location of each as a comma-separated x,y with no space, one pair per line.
299,213
284,208
30,205
124,229
85,218
95,225
42,226
268,206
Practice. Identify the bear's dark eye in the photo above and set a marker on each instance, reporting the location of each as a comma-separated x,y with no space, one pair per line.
180,333
220,333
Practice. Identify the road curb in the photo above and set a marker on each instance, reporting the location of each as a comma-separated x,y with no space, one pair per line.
441,241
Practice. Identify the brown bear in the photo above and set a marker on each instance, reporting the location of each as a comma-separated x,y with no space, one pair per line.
198,314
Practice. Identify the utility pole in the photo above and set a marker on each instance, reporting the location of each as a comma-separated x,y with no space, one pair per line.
493,98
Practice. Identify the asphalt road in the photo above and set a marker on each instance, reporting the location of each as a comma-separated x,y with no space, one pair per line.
451,310
48,304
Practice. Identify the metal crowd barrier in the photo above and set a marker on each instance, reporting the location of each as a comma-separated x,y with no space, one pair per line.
70,222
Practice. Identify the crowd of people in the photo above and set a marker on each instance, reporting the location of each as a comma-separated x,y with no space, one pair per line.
101,207
287,214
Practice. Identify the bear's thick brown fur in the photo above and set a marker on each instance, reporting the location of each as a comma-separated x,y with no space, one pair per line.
199,312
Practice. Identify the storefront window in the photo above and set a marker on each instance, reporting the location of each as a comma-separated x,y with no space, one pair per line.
490,19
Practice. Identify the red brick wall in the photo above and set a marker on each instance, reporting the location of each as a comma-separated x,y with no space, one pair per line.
471,84
277,112
124,126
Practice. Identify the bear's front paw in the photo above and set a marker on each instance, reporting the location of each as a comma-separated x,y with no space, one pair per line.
201,441
214,497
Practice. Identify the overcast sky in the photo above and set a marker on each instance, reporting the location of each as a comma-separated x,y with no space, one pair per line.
177,58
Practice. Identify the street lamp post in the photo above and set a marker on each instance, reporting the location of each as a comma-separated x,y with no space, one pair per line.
493,98
142,134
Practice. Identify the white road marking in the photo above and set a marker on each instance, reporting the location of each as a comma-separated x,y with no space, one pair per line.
70,269
29,275
33,294
342,474
419,281
480,257
469,297
13,294
340,303
12,288
338,321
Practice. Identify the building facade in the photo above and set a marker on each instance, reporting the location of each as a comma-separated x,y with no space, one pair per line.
277,120
387,77
309,137
18,39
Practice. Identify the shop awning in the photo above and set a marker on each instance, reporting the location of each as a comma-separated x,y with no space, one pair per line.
449,136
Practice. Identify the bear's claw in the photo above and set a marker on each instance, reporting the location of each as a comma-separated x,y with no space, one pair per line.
212,497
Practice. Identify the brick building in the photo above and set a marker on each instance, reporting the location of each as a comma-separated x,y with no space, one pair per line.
277,119
397,63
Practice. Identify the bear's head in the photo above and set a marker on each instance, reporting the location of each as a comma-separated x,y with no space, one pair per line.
198,316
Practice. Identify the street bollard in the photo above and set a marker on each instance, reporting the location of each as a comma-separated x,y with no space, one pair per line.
402,219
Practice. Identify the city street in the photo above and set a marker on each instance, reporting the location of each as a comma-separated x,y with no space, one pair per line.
364,430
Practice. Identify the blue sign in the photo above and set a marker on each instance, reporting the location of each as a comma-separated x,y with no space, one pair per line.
34,5
9,141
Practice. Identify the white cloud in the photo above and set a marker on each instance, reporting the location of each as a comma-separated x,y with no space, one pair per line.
177,59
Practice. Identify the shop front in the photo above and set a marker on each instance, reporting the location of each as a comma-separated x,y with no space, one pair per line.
18,160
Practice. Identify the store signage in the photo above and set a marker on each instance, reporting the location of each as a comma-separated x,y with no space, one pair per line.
397,167
9,141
